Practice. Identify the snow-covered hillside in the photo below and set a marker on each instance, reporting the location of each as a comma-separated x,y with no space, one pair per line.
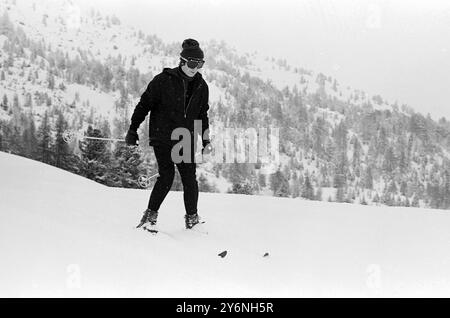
66,27
63,235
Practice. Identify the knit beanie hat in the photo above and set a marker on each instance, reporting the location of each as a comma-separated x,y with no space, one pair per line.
191,49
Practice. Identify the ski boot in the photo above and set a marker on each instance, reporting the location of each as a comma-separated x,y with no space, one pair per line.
148,221
191,220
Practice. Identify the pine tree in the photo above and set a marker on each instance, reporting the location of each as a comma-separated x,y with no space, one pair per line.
6,132
415,202
275,180
243,187
368,178
16,104
340,195
45,140
28,101
403,188
106,131
5,102
387,199
126,167
283,189
330,150
279,184
319,133
409,150
10,61
339,180
95,157
308,190
389,160
341,161
407,204
318,196
376,198
51,81
433,192
48,101
382,143
29,139
262,180
403,164
372,153
356,161
17,114
446,190
1,138
107,78
363,201
61,148
350,197
392,187
296,188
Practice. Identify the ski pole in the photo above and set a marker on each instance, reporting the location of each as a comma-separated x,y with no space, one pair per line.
144,180
108,139
69,135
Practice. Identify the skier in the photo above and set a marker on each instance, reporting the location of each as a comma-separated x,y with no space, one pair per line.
175,98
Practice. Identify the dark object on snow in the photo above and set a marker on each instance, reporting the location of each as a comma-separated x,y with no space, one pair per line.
223,254
266,255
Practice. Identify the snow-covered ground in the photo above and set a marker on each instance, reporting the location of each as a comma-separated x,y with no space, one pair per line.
65,236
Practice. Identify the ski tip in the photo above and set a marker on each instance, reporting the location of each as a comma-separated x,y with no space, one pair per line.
139,225
223,254
150,230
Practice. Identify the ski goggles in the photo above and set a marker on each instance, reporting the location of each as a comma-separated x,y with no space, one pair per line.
193,63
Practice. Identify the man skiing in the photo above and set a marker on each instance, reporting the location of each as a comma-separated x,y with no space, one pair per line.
175,98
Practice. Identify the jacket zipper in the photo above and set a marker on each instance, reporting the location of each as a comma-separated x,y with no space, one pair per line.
184,97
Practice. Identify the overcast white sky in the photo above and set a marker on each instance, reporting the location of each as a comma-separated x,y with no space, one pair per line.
399,49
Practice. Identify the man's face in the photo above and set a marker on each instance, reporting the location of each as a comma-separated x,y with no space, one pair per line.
191,66
189,71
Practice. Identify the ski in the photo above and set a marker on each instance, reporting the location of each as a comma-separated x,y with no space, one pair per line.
225,253
158,232
196,229
150,230
154,230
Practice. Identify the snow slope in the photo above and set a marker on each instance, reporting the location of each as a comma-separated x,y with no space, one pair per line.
64,236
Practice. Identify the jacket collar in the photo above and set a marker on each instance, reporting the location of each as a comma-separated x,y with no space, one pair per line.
174,72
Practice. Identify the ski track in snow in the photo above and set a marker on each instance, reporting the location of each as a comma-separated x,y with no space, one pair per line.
65,236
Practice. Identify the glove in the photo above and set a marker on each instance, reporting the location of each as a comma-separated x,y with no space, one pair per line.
132,138
207,149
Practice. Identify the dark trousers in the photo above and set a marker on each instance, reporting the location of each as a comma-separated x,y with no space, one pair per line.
166,170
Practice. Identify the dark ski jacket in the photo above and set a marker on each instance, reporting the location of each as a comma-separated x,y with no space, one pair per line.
165,99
